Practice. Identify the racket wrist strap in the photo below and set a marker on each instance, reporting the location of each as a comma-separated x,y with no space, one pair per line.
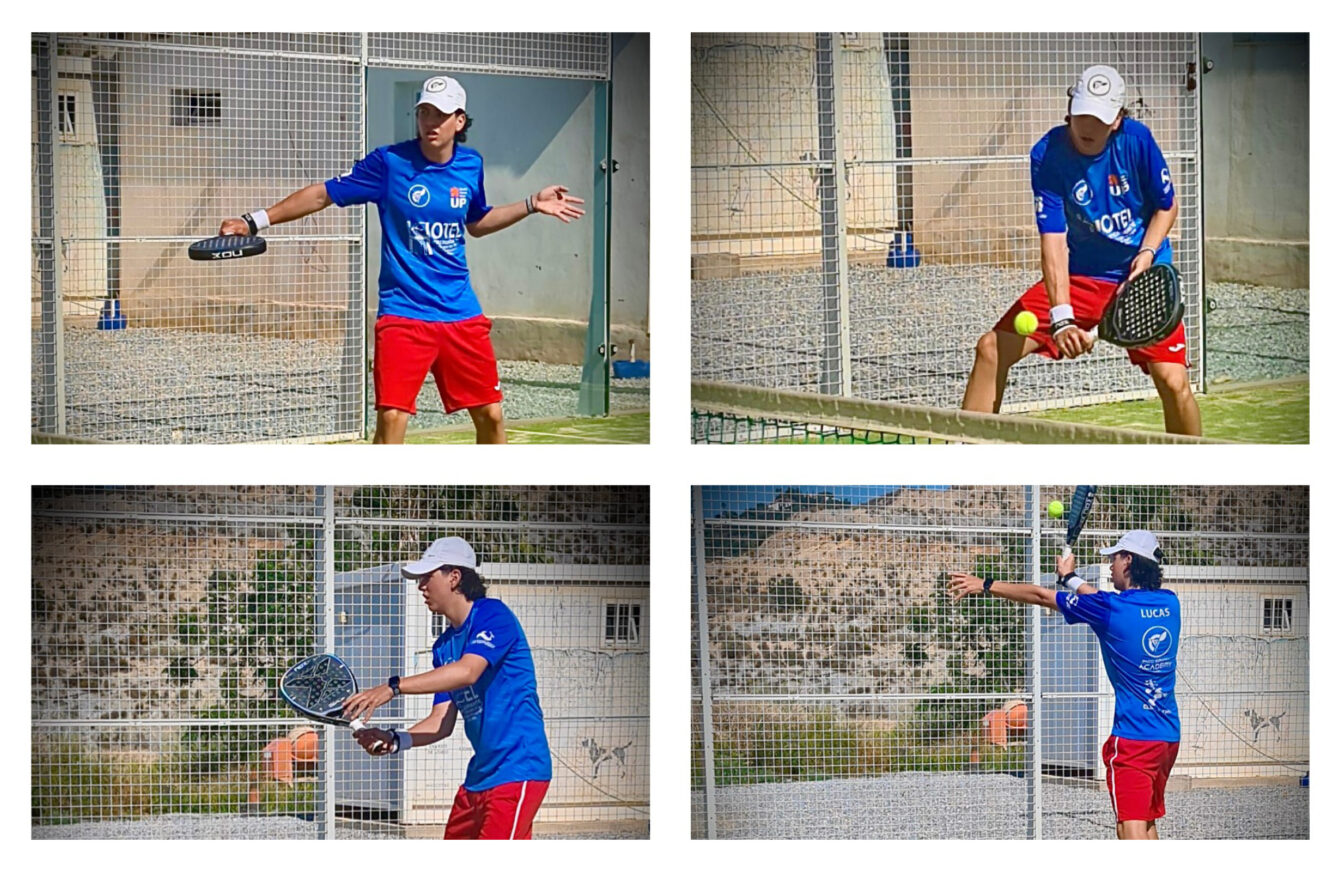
1061,318
402,742
257,221
1072,582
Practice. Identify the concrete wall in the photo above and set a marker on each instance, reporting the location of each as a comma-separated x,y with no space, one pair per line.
1256,170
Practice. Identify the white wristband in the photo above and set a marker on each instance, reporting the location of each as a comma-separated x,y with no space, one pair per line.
263,220
1062,312
1074,583
404,741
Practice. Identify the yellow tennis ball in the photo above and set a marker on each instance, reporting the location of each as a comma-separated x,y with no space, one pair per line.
1056,509
1025,323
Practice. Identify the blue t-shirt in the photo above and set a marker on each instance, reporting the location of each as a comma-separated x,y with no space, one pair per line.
1139,631
1103,203
501,711
424,208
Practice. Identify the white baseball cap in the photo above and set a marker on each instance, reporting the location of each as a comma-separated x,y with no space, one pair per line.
1099,92
448,551
1139,542
443,93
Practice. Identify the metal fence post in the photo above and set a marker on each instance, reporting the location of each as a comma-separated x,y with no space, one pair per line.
1034,628
702,638
836,376
327,544
51,343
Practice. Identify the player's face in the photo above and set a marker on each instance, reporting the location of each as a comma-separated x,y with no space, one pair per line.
1089,134
1120,571
436,589
437,127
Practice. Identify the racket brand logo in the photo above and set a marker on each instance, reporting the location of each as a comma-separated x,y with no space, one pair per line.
1082,194
216,255
1157,641
457,197
418,195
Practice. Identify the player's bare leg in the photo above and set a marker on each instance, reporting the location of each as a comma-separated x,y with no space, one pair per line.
995,354
391,427
1136,830
489,421
1179,408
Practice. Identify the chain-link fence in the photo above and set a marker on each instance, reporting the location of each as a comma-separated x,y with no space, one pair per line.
163,619
848,696
144,142
862,209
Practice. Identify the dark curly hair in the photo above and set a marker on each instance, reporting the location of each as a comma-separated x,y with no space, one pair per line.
461,135
1144,573
472,586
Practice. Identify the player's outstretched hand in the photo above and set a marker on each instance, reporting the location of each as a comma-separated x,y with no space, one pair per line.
1074,342
362,704
234,227
1064,564
375,742
556,200
962,584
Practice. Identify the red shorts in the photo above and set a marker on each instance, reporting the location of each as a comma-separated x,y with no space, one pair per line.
458,353
1089,298
503,812
1136,776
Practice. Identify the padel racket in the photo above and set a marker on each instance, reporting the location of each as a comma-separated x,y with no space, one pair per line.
1079,508
1144,310
316,687
226,247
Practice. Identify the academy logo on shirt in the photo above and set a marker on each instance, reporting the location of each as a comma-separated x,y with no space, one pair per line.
1117,185
1082,194
1157,641
457,197
484,637
418,195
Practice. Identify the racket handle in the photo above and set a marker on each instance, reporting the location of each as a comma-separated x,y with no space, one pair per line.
356,725
1068,551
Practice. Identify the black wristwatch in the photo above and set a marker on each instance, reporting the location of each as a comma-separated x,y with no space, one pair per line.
1063,581
988,582
395,683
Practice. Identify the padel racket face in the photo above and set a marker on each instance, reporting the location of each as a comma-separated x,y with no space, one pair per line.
226,247
1145,309
1079,508
317,686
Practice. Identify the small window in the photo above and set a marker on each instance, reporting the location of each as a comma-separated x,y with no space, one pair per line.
196,107
1278,615
66,106
623,624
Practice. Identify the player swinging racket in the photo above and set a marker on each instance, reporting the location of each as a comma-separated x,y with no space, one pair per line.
430,191
1139,629
483,671
1104,205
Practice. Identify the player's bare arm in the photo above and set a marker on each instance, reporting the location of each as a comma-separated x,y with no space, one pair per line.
1158,228
553,200
450,676
438,725
299,204
963,584
1071,339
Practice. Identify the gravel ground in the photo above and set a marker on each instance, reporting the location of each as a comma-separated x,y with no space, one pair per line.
167,386
922,805
201,826
913,333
